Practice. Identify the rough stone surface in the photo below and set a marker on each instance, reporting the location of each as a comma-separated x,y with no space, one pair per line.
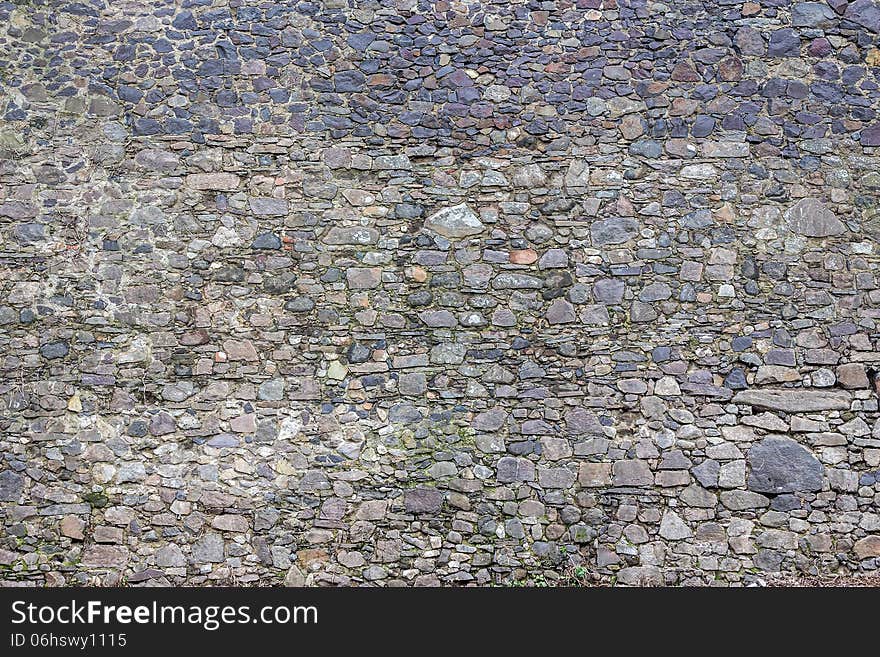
407,293
781,465
457,221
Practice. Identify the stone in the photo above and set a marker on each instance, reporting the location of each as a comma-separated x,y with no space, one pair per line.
617,230
456,222
11,486
781,465
209,548
405,413
363,278
811,218
266,241
356,236
57,349
422,500
792,400
870,135
673,528
511,469
560,312
528,176
632,473
592,475
170,556
784,43
491,420
272,390
812,14
865,13
852,376
73,527
105,556
743,500
230,523
264,206
294,577
213,181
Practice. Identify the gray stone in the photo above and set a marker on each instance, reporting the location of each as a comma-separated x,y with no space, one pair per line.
170,556
560,312
792,400
422,500
11,486
780,465
57,349
209,549
456,222
865,13
511,469
673,528
272,390
405,413
617,230
632,473
356,235
490,420
508,281
268,207
266,241
810,217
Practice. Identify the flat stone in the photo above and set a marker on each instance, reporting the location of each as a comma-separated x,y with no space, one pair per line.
580,421
865,13
213,181
743,500
510,469
560,312
230,523
593,475
812,14
363,278
617,230
791,400
105,556
357,235
266,241
632,473
852,376
267,206
170,556
491,420
73,527
404,413
781,465
209,549
510,281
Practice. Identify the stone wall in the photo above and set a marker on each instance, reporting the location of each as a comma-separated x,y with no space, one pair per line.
417,293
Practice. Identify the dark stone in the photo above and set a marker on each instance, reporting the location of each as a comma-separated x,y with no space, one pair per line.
11,486
267,241
780,465
57,349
